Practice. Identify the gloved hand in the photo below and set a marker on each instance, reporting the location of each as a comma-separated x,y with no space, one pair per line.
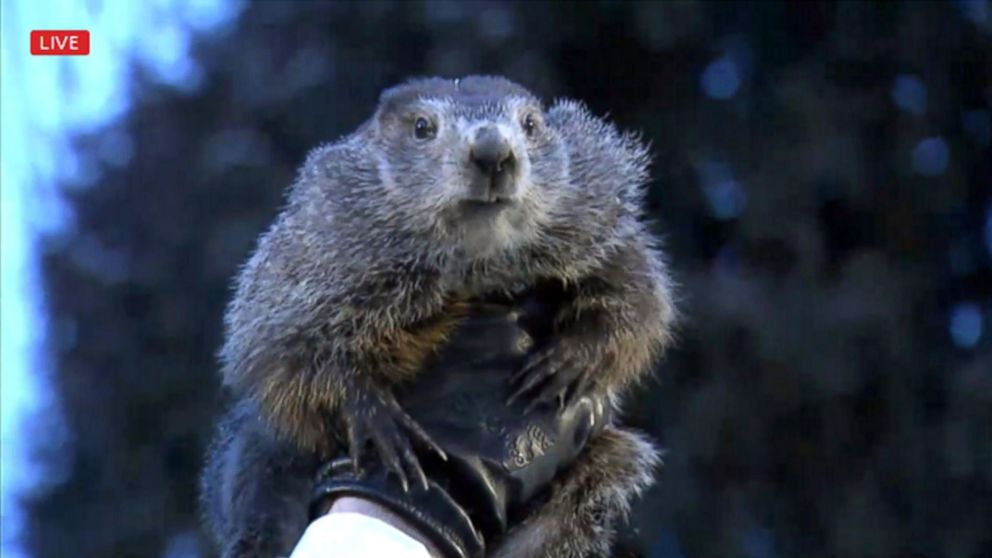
499,459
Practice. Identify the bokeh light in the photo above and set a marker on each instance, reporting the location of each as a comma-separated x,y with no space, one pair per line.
930,156
966,324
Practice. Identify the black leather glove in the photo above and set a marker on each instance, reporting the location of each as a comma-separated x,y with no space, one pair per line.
499,459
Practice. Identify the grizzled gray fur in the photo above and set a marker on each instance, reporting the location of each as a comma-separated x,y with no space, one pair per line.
453,189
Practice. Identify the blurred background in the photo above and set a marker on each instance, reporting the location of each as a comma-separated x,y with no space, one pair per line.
822,179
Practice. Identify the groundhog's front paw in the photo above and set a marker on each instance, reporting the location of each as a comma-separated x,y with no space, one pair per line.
373,416
559,373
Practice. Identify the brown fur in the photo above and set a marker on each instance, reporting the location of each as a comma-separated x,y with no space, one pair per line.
404,351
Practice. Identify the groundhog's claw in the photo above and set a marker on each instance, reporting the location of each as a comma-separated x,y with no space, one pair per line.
376,417
548,375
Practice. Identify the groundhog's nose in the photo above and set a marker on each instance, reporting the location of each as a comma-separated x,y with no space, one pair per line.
491,152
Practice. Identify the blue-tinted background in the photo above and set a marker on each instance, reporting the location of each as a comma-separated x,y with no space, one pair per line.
822,178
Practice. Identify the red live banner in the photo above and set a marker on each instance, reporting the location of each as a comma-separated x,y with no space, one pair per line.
62,43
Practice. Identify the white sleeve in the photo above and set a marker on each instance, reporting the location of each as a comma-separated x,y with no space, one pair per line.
353,535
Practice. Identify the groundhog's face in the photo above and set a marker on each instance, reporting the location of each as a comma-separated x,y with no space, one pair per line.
475,161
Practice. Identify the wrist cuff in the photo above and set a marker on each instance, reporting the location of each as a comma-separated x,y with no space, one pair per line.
433,513
354,534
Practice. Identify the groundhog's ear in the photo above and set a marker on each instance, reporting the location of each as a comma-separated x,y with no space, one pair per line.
393,100
385,117
373,126
388,100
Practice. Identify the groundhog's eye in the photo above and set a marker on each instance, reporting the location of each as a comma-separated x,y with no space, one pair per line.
423,129
529,124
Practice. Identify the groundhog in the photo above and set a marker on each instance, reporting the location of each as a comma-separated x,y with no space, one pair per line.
453,190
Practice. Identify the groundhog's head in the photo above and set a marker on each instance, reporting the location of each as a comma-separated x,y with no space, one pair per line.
476,166
472,159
